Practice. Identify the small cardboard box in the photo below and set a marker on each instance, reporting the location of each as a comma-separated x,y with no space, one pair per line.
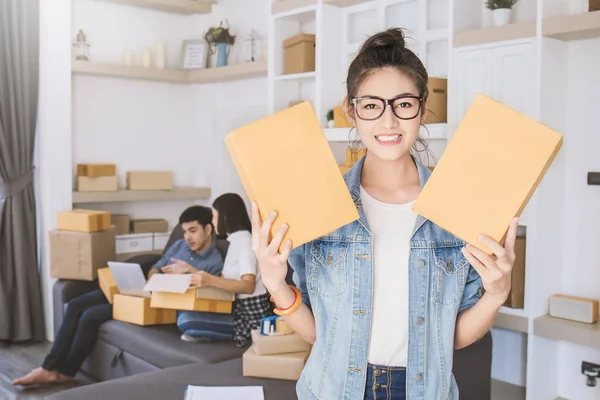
278,344
437,103
352,156
299,54
96,170
149,180
172,291
101,184
287,366
107,284
82,220
122,223
137,310
516,296
149,225
339,118
79,255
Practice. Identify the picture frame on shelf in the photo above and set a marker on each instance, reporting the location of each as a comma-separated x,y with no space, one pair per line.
194,54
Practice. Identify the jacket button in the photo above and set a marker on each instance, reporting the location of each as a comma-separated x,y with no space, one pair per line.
420,263
377,386
376,372
449,266
419,321
418,378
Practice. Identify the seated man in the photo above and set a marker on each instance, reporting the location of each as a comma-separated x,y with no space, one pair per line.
76,337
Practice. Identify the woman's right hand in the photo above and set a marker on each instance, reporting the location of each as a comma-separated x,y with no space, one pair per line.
273,264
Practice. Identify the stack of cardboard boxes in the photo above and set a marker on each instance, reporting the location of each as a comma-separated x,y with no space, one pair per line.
276,353
82,243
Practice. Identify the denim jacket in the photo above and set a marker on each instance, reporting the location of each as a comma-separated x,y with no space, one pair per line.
334,275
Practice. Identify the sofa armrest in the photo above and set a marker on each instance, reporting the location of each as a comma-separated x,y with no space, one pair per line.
146,261
65,290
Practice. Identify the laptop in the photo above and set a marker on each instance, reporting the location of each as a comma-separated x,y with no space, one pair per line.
129,278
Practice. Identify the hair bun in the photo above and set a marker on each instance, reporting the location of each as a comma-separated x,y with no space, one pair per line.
393,37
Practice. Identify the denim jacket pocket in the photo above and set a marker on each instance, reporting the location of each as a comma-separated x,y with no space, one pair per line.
449,278
328,260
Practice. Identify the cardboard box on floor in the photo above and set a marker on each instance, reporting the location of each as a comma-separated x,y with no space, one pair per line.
107,284
488,172
149,225
278,344
79,255
96,170
82,220
312,198
101,184
137,310
149,180
287,366
172,291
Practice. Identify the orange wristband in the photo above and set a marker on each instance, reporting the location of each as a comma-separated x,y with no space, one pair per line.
291,309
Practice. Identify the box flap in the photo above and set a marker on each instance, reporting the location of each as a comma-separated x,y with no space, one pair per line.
170,283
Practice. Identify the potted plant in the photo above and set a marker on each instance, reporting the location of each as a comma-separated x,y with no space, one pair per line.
222,40
330,118
501,10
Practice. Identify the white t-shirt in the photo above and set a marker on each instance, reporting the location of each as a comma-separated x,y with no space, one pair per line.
392,226
240,260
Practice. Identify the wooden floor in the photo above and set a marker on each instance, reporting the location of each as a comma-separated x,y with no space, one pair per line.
16,361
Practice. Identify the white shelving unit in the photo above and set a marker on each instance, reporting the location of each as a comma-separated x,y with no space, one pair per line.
185,7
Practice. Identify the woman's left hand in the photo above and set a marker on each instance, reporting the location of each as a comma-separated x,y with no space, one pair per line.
200,279
495,270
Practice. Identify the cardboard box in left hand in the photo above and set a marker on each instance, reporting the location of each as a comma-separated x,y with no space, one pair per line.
137,310
82,220
79,255
107,284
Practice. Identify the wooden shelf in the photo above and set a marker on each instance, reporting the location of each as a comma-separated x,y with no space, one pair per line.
345,3
209,75
573,27
185,7
296,77
519,30
121,196
511,322
507,391
289,5
569,331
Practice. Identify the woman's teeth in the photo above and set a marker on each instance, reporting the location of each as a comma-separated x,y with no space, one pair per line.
388,138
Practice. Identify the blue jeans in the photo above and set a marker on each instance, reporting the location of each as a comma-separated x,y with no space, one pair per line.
200,324
385,383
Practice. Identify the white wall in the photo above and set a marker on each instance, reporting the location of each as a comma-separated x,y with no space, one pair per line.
136,124
581,272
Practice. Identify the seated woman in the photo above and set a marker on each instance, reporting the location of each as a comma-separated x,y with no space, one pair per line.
240,275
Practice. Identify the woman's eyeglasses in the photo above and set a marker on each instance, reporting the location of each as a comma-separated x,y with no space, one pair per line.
369,108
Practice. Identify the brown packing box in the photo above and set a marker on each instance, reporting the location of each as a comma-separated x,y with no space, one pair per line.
122,223
282,180
107,284
339,118
278,344
299,54
149,225
188,301
82,220
516,296
101,184
488,172
210,293
137,310
79,255
437,103
149,180
287,366
352,156
96,170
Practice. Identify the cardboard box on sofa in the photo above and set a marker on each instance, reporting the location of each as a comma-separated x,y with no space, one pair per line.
100,184
287,366
96,170
437,102
79,255
149,225
299,54
149,180
278,344
172,291
122,223
107,284
82,220
137,310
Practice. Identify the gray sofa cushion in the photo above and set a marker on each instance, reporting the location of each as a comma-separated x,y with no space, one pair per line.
161,345
171,383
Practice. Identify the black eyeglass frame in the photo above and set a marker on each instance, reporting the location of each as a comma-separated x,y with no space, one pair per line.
385,104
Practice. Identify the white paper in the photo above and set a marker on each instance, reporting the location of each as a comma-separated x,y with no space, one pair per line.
172,283
224,393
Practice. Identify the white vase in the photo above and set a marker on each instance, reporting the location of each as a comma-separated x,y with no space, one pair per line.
501,16
330,124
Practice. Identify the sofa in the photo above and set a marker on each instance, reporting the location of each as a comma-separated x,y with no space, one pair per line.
155,363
